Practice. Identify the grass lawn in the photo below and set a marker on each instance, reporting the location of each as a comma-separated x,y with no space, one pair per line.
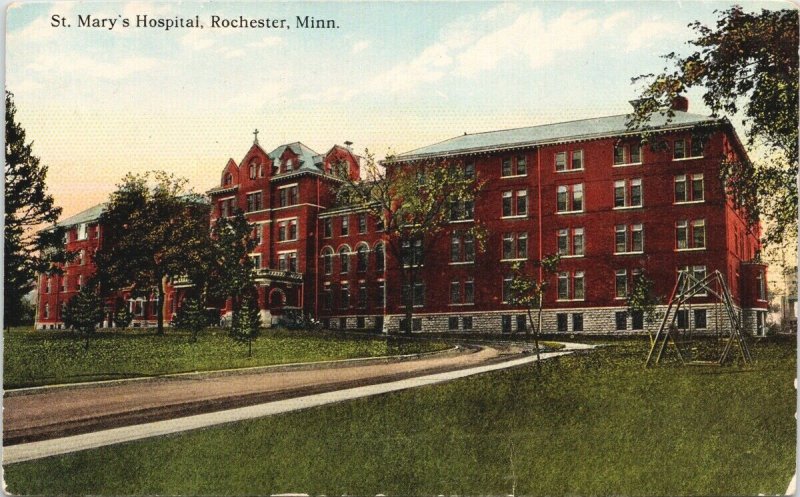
51,357
589,424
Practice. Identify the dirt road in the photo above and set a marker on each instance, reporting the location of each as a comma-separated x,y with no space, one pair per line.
57,412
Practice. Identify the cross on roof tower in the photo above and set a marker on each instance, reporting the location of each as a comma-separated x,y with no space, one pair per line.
255,134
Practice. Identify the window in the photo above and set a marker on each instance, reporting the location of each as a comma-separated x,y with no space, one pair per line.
380,258
411,256
621,321
469,169
255,260
228,179
697,147
362,255
362,297
690,235
253,170
575,161
466,322
288,195
700,319
507,292
515,203
637,320
621,284
362,223
627,193
469,291
254,201
505,323
64,283
344,260
345,225
361,323
462,210
455,292
381,295
80,282
327,260
682,318
561,321
416,324
571,285
82,257
627,154
515,246
97,231
46,284
698,273
570,198
257,234
82,231
521,322
342,323
515,166
761,288
283,262
227,207
379,226
452,323
344,296
417,296
628,239
689,188
46,311
577,321
679,149
327,228
570,242
287,230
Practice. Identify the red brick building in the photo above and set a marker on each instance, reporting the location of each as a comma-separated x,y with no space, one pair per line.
587,189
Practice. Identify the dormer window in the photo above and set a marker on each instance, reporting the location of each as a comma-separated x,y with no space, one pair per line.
276,166
228,179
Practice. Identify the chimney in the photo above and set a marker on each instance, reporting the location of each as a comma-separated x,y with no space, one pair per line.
680,103
349,145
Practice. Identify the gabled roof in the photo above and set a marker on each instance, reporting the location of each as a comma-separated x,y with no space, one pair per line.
306,155
87,216
582,129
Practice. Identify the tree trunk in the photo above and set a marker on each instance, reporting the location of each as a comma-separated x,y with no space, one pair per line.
160,307
411,278
250,348
535,336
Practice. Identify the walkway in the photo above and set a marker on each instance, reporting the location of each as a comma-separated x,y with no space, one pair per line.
106,406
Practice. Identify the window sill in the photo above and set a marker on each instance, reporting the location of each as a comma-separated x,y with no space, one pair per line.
259,211
570,170
570,300
687,158
518,216
684,202
462,305
514,260
460,263
628,207
697,249
512,176
573,256
570,212
286,241
627,164
639,252
456,221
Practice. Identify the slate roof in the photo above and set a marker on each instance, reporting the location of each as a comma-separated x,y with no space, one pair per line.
307,156
582,129
87,216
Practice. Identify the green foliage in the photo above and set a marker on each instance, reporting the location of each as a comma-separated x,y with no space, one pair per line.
642,299
246,325
747,62
415,202
672,431
27,207
123,317
84,312
152,230
528,290
229,268
191,316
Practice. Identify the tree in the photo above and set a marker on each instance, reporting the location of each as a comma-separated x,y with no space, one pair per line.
528,290
415,202
748,62
152,230
191,316
123,317
27,206
83,312
227,264
246,324
642,299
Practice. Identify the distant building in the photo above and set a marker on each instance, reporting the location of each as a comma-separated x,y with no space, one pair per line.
588,190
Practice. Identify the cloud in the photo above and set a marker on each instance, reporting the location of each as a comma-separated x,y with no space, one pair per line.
360,46
40,29
139,7
198,39
82,65
264,91
267,41
616,19
647,33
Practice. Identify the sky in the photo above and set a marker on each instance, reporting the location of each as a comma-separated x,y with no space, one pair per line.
391,76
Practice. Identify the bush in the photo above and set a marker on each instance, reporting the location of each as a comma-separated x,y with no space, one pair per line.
83,313
191,316
123,317
246,323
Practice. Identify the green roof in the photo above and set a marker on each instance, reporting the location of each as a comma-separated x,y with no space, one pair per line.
87,216
582,129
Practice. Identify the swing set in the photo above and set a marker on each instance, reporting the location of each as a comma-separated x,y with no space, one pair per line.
713,350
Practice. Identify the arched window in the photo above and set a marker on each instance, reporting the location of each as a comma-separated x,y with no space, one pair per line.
253,168
344,259
228,179
327,260
380,258
361,258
